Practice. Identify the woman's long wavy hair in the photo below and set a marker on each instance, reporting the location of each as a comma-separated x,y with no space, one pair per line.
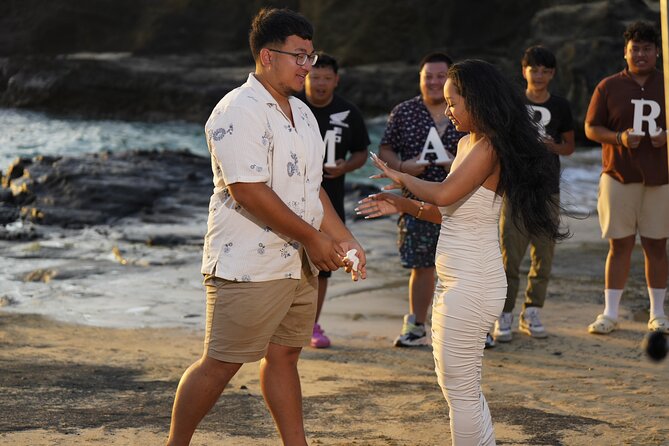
498,111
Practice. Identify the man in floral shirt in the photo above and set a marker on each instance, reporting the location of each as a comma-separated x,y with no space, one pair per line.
270,229
420,140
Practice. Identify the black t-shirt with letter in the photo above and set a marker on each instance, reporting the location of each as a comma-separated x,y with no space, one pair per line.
553,118
342,126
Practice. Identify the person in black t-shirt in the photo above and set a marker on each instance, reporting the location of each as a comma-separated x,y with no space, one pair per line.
552,115
346,139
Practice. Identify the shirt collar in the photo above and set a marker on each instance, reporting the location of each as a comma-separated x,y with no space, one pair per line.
266,96
651,76
260,89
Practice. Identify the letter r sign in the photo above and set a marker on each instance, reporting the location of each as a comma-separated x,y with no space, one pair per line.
640,117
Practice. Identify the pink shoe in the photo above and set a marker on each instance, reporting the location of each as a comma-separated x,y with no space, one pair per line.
318,338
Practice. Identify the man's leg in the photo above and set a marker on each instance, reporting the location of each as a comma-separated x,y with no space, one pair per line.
617,269
541,255
318,337
322,289
618,262
199,389
513,244
657,268
421,291
280,383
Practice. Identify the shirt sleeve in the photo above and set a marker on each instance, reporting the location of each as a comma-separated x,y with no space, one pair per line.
597,111
392,135
241,144
567,120
360,139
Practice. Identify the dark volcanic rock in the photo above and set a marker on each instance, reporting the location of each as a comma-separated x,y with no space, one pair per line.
101,188
121,86
188,54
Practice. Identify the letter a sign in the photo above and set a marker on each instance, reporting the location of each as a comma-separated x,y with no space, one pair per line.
434,145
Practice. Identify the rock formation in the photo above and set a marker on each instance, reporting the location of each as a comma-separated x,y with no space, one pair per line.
141,59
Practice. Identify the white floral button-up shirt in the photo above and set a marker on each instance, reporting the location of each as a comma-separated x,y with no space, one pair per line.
252,141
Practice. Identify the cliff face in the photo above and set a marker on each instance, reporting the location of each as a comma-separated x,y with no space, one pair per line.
179,56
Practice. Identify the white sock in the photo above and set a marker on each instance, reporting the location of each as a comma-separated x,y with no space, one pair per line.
612,302
656,301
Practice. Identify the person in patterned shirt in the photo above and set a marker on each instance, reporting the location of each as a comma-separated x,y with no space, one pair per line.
420,140
271,227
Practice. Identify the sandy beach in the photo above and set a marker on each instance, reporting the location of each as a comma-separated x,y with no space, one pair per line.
121,320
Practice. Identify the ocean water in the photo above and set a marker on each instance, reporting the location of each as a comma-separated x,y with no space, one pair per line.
28,133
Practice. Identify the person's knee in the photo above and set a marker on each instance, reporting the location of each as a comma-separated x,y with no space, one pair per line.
423,272
219,370
655,249
622,246
281,354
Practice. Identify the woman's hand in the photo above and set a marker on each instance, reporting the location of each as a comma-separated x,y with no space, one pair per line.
378,205
386,172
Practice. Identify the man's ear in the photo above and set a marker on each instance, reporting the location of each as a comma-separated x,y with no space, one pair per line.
265,57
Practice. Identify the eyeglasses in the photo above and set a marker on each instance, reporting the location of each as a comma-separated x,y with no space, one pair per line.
300,58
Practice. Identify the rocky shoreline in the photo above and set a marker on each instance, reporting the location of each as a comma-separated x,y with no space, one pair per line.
156,186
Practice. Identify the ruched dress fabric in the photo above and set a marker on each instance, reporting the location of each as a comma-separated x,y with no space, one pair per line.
469,297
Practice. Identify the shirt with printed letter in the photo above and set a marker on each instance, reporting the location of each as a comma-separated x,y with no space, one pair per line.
251,140
408,132
553,118
619,103
344,131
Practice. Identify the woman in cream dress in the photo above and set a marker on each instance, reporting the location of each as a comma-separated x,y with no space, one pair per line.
501,155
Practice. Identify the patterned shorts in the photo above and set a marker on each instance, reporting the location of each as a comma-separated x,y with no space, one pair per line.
417,242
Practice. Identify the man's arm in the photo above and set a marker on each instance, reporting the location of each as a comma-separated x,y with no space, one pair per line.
387,154
603,135
566,147
355,161
335,228
410,166
263,203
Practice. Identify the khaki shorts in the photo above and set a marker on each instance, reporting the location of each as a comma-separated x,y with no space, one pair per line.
625,209
244,317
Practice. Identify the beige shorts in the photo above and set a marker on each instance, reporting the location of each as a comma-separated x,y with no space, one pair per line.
244,317
625,209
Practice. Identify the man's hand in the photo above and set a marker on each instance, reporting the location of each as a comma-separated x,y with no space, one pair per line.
660,139
361,271
412,167
336,171
325,252
631,140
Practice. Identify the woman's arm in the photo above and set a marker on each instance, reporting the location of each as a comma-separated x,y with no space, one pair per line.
476,167
386,203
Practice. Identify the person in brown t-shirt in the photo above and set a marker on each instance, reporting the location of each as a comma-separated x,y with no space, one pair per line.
626,115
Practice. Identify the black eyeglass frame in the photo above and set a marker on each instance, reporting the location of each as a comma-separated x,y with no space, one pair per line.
303,57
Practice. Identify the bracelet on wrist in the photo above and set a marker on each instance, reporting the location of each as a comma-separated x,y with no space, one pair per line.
619,138
420,209
400,167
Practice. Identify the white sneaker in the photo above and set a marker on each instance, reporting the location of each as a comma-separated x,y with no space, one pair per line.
502,331
412,335
530,323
